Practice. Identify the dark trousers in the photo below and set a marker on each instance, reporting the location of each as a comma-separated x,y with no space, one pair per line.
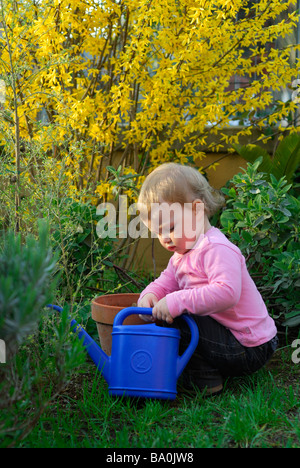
219,354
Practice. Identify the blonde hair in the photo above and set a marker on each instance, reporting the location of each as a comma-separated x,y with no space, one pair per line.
172,182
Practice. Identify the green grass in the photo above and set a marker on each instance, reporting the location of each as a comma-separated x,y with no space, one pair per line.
262,410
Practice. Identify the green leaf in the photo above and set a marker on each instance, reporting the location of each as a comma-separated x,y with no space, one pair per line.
260,219
256,155
247,236
284,219
292,322
285,211
242,206
226,217
225,190
258,257
273,236
287,156
273,180
239,216
285,162
254,191
232,192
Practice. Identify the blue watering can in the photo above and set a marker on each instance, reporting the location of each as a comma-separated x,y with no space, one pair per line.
144,359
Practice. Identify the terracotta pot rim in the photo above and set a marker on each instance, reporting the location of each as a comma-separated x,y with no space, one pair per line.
97,300
105,313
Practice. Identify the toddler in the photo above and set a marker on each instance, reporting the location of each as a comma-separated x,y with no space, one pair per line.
206,277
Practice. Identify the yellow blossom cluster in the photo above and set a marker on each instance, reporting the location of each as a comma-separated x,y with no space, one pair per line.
146,80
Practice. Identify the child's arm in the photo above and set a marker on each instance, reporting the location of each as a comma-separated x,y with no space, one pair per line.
222,268
163,285
155,294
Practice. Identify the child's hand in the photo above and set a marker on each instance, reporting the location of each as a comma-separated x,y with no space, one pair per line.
161,312
149,300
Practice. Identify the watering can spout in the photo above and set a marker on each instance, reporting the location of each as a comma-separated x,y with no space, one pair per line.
100,359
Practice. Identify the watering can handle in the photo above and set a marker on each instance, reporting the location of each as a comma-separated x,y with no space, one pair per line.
121,316
185,357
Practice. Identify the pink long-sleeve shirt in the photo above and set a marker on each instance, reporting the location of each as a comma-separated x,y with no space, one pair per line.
212,279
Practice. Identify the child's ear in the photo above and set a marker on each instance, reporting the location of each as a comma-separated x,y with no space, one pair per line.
197,205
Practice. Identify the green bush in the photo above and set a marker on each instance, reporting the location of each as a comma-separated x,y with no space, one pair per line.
262,218
26,284
41,353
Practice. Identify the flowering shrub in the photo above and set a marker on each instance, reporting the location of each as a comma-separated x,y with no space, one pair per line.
145,79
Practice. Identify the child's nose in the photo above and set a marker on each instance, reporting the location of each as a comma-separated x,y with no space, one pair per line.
166,238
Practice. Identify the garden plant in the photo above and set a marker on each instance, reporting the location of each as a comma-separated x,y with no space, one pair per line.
262,218
94,95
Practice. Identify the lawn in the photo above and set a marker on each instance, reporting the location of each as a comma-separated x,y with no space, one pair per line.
258,411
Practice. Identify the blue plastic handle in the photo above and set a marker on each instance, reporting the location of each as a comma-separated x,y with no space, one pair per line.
121,316
185,357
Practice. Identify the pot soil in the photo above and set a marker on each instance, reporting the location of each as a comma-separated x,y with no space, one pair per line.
104,310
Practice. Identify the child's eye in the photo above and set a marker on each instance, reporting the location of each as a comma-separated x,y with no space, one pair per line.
166,230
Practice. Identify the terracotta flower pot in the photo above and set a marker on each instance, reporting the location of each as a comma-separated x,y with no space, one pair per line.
104,310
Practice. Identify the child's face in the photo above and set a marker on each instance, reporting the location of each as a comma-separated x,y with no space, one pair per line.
177,226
